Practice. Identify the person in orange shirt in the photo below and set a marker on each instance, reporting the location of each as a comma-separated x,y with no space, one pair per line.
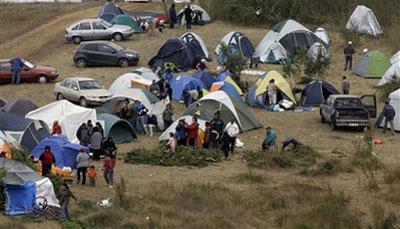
56,128
92,174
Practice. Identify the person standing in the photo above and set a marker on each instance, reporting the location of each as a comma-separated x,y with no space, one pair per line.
207,136
172,143
348,56
82,163
188,17
109,164
155,88
388,114
172,15
193,132
232,130
56,128
83,134
345,86
218,126
181,132
16,68
95,144
47,159
90,127
64,195
92,174
141,111
100,128
272,91
168,116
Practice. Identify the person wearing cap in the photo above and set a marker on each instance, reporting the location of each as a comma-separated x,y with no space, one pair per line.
82,163
269,139
348,56
345,86
47,159
388,113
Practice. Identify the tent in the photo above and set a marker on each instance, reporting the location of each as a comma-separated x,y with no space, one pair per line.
200,16
363,20
258,91
205,76
372,65
6,142
284,41
392,73
228,88
316,92
395,58
69,116
123,19
64,151
109,11
27,132
317,50
238,41
229,109
323,35
23,186
3,102
395,102
146,73
131,80
19,107
171,129
183,83
195,41
119,129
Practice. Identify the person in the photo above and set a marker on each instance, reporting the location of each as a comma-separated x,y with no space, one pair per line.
16,68
172,15
168,90
144,25
232,130
168,116
108,166
181,132
207,136
154,88
348,56
161,85
186,98
90,127
92,174
64,196
388,113
124,111
188,17
291,142
172,142
56,128
345,86
272,91
150,125
82,163
160,25
218,125
202,65
95,144
193,132
110,147
100,128
269,139
83,134
225,145
141,111
47,159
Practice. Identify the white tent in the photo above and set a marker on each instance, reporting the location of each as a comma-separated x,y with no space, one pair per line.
317,49
363,20
393,71
205,16
128,80
323,35
238,40
188,119
7,138
147,73
395,58
395,102
188,36
69,116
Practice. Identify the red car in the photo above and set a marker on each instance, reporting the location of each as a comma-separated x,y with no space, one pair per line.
29,74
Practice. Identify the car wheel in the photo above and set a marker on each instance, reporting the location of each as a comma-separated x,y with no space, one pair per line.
117,36
81,63
77,40
123,62
42,79
83,102
60,96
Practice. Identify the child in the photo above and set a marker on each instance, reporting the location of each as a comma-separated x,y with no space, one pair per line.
172,142
109,164
92,176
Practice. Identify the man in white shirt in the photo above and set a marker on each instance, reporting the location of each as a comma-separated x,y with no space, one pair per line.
232,130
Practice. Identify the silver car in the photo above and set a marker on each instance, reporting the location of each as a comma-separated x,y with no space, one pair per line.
85,91
96,29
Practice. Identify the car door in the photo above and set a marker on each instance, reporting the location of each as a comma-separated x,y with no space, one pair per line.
108,54
27,75
5,72
85,31
99,31
92,54
369,103
74,89
65,89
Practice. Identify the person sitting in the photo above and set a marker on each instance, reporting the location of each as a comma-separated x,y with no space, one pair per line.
269,139
56,128
172,142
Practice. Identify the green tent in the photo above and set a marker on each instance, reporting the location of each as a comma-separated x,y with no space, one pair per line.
120,130
124,19
372,65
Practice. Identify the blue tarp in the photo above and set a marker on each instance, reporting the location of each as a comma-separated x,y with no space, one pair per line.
316,92
20,198
205,76
64,151
181,83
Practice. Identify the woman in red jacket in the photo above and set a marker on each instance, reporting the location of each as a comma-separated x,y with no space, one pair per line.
193,131
47,159
56,128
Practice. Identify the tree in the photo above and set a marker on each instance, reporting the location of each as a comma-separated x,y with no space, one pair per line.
233,60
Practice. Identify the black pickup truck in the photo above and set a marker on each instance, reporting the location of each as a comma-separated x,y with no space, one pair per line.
348,111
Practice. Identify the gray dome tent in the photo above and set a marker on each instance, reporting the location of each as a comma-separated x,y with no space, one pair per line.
120,130
19,107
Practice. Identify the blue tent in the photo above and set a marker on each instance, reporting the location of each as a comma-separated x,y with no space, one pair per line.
316,92
180,84
254,101
27,132
20,198
222,76
205,76
231,91
109,11
64,151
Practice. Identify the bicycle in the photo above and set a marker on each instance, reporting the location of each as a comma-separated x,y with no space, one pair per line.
41,208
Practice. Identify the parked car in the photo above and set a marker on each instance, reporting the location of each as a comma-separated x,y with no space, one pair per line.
96,29
82,90
30,73
104,53
348,111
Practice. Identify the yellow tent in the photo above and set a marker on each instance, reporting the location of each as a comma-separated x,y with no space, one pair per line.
231,81
280,83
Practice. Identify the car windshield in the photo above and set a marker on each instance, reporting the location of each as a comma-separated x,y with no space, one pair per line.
115,46
28,64
348,103
89,84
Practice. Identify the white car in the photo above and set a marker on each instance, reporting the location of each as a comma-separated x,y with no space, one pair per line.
85,91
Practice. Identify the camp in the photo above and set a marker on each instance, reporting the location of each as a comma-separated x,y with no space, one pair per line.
118,129
392,73
109,11
6,143
123,19
171,129
394,100
316,92
19,107
27,132
257,95
323,35
363,20
318,50
229,109
238,41
205,76
372,65
284,41
200,16
64,151
68,115
193,40
183,83
23,186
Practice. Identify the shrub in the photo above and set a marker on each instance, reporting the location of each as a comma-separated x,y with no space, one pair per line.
328,168
234,61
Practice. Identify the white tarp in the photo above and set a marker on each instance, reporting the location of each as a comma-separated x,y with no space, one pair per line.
363,20
44,188
393,71
395,58
188,119
69,116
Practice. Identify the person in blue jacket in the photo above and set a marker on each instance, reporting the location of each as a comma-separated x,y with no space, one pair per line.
269,139
16,68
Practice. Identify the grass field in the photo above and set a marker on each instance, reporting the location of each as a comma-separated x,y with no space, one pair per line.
228,194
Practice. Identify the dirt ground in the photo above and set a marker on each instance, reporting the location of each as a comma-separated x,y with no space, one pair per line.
44,44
